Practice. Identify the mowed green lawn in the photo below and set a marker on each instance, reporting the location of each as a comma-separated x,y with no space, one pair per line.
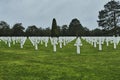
65,64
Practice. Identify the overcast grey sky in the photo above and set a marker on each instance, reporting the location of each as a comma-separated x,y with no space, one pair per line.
41,12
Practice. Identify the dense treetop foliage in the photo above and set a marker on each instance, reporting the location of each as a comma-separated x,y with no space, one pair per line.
75,28
54,30
109,17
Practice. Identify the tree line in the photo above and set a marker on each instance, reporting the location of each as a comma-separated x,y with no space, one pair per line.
108,20
73,29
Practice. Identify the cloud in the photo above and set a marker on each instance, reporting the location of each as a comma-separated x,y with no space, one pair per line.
41,12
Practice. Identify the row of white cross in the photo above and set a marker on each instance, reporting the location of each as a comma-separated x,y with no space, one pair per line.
62,41
14,40
53,40
102,40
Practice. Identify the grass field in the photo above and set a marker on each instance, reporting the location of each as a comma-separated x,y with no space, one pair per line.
65,64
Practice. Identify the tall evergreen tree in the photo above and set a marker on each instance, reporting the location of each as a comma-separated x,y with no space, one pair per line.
17,30
32,31
109,17
54,30
75,28
4,29
64,30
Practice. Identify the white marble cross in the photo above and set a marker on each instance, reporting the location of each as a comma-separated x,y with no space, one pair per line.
36,46
54,44
78,44
46,41
107,41
22,41
64,42
60,42
100,44
115,42
95,42
9,42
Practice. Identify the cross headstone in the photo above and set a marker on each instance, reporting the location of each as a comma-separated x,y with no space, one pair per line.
9,42
100,44
78,44
54,44
95,42
115,42
107,41
46,41
60,42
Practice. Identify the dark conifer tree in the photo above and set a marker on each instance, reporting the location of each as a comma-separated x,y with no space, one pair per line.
54,30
